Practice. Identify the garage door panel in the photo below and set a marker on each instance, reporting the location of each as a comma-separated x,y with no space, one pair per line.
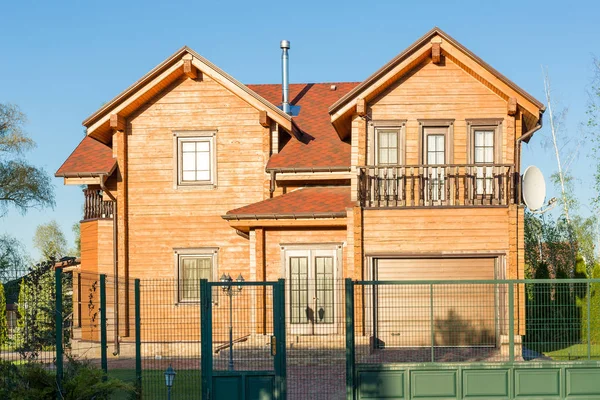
404,312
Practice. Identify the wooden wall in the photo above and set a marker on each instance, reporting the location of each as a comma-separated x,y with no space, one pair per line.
439,92
162,217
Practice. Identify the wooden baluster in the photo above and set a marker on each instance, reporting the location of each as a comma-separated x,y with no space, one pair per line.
386,183
421,186
456,185
369,184
412,186
509,187
395,186
466,186
474,183
429,186
447,180
376,196
493,180
500,188
440,182
403,188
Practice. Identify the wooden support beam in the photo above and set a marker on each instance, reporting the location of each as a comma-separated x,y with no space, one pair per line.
512,106
263,118
361,107
189,69
436,53
117,122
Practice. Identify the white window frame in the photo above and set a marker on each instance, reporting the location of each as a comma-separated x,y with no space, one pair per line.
494,125
181,253
373,140
181,137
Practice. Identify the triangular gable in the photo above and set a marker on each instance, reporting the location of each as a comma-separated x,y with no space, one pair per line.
98,124
416,53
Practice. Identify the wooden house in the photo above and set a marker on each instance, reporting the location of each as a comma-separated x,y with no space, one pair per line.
412,174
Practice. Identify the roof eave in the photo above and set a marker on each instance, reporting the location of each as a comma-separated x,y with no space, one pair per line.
316,215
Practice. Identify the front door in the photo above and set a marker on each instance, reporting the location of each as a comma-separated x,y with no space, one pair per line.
311,278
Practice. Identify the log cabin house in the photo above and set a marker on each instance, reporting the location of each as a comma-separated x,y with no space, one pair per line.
412,174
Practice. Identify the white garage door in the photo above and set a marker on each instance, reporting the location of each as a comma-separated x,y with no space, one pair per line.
456,314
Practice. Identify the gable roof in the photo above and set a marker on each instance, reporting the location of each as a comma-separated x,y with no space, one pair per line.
308,202
162,75
90,158
319,146
448,44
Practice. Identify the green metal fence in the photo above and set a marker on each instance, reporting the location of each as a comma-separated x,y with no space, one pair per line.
348,341
471,339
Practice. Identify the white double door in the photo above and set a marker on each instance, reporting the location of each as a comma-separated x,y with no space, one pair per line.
311,291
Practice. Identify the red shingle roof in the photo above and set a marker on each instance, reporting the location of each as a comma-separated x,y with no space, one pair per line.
90,157
305,202
323,147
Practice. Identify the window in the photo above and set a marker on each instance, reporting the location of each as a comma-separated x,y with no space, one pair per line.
196,161
484,154
385,142
435,154
387,147
193,265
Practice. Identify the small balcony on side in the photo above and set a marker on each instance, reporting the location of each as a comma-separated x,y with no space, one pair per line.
94,207
450,185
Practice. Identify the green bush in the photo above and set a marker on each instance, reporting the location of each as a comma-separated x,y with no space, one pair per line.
3,322
33,381
594,316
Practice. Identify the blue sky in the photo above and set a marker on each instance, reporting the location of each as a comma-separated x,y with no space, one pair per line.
60,61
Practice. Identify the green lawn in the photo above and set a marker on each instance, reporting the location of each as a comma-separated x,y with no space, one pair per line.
187,384
576,352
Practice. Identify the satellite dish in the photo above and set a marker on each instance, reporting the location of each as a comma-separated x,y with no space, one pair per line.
534,188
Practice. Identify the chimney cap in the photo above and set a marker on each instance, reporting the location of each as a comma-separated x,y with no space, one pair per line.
285,44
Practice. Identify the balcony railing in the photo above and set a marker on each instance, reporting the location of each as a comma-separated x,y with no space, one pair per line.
448,185
94,207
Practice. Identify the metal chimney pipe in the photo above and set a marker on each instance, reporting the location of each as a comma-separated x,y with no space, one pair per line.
285,75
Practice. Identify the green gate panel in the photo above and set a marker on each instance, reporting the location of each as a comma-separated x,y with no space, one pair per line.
228,387
487,383
584,382
433,384
381,385
537,382
260,387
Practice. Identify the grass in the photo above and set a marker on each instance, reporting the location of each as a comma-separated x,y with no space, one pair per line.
576,352
187,384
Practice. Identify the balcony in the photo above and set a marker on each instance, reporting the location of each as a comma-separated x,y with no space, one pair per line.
94,207
451,185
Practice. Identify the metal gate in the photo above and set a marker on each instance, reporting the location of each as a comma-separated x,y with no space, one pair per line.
546,346
243,340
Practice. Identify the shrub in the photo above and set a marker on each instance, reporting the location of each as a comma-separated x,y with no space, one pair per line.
594,315
82,381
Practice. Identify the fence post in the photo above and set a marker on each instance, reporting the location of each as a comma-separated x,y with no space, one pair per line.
206,337
350,344
58,321
138,339
103,345
589,325
279,331
431,322
511,322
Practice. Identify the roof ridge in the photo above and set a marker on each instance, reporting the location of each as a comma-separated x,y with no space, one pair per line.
303,83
